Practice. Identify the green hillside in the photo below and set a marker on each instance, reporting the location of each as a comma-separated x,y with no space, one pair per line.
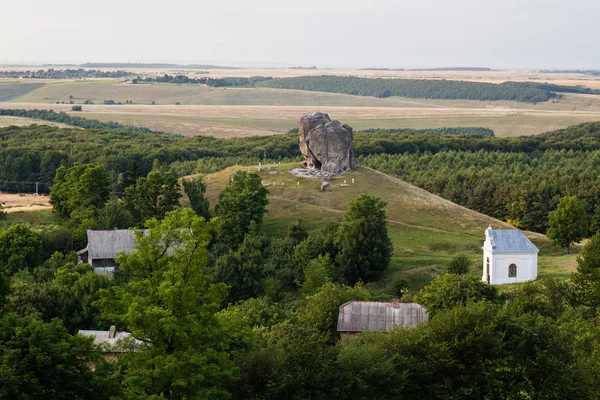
427,231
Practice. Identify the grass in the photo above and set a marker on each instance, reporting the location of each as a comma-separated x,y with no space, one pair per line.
39,219
426,230
13,89
19,121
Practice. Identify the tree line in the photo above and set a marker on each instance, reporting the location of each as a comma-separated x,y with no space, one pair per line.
154,65
68,73
214,82
64,118
467,130
414,88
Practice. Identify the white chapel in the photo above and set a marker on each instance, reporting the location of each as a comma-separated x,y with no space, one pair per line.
508,257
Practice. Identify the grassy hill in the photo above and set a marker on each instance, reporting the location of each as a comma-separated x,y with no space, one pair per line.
427,231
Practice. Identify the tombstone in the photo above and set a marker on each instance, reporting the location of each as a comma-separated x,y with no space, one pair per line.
298,183
345,182
325,187
352,180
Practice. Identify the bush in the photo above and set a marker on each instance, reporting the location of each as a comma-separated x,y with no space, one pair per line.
459,265
76,108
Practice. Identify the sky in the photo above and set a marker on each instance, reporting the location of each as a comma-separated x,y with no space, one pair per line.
503,34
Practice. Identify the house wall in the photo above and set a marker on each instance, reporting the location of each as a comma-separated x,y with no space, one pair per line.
526,267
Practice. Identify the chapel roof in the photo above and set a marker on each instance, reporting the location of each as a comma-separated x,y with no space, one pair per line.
509,241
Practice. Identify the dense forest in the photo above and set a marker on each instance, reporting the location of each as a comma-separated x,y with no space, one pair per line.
518,179
52,73
413,88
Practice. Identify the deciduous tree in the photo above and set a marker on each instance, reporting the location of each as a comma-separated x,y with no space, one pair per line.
20,248
242,203
195,189
364,246
154,196
79,188
168,302
568,223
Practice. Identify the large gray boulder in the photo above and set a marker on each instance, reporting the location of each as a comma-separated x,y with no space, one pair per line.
326,144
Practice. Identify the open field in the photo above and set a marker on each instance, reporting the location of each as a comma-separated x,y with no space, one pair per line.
475,76
23,202
228,121
6,120
238,112
427,231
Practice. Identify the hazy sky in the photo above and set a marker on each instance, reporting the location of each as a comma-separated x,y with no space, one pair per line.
325,33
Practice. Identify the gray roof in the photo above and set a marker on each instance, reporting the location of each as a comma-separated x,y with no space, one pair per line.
358,316
102,338
510,241
106,244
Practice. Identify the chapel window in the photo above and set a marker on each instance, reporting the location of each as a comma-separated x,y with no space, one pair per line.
512,271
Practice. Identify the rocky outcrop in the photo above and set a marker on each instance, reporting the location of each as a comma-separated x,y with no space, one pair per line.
326,144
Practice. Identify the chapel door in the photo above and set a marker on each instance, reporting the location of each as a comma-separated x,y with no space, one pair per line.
487,270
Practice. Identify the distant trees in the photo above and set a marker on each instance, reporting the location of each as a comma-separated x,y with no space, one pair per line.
215,82
436,131
64,118
68,73
364,247
568,223
414,88
79,188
